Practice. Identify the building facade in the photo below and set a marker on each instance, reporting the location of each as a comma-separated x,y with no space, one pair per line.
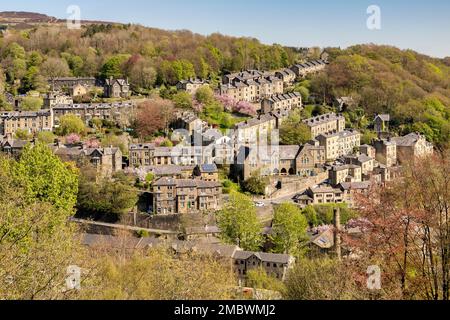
185,196
29,121
287,101
117,88
325,124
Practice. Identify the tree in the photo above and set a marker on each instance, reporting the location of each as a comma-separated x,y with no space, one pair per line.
53,68
46,137
154,116
113,67
182,100
105,199
23,134
204,95
70,123
259,279
239,223
323,279
31,104
256,184
289,229
407,230
46,178
73,138
293,131
36,243
157,274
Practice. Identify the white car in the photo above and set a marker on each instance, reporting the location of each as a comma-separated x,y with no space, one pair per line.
259,204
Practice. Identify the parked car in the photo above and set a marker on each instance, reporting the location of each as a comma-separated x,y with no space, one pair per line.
259,204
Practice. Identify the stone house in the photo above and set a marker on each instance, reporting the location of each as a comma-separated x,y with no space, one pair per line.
188,121
252,130
251,90
117,88
53,99
301,70
120,113
30,121
366,163
276,265
368,150
320,195
13,147
141,155
78,90
207,172
340,144
285,101
286,75
381,123
412,146
325,124
191,85
386,152
184,196
344,173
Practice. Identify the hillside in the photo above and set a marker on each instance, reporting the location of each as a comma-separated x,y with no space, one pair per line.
22,19
413,88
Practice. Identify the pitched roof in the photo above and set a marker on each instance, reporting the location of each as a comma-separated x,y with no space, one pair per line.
264,257
383,117
208,168
288,152
408,140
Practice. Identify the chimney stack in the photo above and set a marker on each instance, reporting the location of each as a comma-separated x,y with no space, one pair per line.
337,232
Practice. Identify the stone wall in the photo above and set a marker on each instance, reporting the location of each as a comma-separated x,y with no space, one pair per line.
292,184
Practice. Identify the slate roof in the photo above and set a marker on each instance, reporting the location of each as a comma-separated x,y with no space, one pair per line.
384,117
264,257
364,185
208,168
408,140
322,119
288,152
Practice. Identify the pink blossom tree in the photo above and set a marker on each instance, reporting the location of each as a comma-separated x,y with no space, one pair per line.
93,143
73,138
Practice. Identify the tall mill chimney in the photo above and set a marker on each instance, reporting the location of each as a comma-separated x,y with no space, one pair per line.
337,232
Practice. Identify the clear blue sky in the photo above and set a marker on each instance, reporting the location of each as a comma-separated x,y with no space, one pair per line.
420,25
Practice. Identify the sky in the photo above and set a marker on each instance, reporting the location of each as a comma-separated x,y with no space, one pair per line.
423,26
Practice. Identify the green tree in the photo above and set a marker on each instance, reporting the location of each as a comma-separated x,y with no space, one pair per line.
259,279
106,199
311,215
113,67
46,178
15,51
182,100
46,137
239,223
289,229
204,95
31,104
256,184
23,134
70,124
293,131
37,243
